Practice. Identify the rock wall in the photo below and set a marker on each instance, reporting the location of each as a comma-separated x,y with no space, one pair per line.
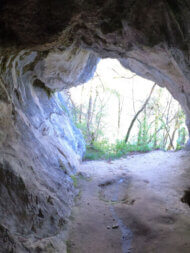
40,149
150,37
46,46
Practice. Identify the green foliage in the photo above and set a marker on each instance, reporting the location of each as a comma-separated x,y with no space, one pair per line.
151,123
151,136
82,127
143,137
182,133
105,151
99,150
69,246
75,181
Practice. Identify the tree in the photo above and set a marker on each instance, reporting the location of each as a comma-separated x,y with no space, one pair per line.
138,113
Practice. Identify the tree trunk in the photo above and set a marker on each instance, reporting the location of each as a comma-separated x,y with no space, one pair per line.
89,114
81,106
137,114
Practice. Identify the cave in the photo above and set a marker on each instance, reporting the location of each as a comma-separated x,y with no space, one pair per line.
48,46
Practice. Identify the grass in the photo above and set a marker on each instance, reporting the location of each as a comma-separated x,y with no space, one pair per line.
105,151
68,245
75,181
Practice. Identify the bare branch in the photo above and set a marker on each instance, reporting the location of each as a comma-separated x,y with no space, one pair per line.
137,114
123,77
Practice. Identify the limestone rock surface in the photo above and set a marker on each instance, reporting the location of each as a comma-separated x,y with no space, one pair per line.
40,148
47,46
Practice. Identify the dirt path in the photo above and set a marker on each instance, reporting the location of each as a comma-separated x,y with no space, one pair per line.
133,205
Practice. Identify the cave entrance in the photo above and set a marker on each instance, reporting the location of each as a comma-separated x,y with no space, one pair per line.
120,112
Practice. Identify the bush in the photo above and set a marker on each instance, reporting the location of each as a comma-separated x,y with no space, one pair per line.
105,151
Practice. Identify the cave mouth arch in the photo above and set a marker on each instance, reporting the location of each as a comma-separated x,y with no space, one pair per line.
63,69
43,51
113,105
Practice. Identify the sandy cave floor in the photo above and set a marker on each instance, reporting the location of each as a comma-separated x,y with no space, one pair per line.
132,205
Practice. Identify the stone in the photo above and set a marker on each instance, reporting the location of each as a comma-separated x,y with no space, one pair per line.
115,226
45,48
39,149
187,146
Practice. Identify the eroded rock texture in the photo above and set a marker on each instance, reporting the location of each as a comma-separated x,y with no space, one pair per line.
40,149
44,48
152,38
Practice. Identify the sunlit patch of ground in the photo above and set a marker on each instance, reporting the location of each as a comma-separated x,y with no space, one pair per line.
136,204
